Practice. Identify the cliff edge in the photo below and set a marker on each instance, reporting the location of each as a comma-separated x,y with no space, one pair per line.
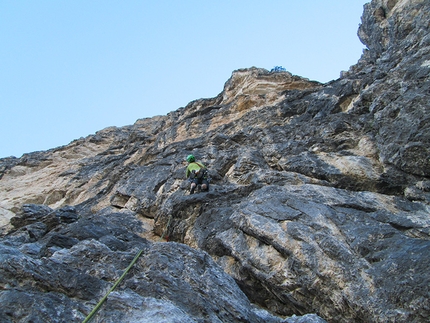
319,205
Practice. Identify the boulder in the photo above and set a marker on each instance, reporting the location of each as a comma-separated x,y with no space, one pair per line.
318,207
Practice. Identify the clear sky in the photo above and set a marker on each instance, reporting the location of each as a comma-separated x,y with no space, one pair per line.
70,68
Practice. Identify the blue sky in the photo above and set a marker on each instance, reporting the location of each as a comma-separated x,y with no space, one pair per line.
71,68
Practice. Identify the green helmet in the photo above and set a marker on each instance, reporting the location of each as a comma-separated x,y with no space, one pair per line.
190,158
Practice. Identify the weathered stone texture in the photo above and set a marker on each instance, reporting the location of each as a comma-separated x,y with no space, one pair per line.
318,208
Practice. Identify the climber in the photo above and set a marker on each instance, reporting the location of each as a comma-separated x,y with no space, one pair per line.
197,175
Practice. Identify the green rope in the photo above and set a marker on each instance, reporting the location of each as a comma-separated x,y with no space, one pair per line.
94,311
89,317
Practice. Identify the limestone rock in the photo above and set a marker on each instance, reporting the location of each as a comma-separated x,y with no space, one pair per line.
62,275
318,208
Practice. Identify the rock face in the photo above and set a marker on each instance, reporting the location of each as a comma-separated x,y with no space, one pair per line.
318,207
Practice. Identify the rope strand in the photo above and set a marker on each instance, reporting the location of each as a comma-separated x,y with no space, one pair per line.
100,303
89,317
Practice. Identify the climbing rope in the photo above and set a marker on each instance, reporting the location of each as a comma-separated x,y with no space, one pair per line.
100,303
88,318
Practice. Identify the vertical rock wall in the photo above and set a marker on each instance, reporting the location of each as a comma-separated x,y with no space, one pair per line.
319,200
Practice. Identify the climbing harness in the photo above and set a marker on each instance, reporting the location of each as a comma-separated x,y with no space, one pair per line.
100,303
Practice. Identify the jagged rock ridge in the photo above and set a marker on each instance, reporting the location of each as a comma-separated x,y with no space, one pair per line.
319,200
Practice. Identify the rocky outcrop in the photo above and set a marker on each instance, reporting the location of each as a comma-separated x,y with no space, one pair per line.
318,207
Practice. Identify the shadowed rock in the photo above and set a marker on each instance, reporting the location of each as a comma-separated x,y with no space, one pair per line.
319,201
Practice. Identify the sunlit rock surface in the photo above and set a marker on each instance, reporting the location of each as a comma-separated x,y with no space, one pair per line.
318,207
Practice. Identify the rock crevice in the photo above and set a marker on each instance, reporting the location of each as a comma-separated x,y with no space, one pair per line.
318,208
